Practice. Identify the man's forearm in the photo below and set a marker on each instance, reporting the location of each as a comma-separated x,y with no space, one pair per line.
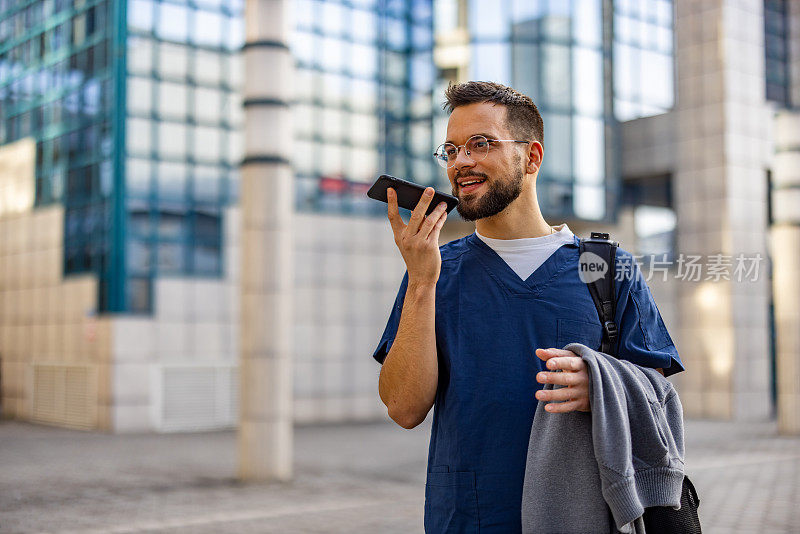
410,372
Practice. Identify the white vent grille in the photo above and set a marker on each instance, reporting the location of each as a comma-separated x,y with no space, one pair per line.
198,397
65,395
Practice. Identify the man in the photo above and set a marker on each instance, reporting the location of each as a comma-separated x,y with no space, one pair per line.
471,317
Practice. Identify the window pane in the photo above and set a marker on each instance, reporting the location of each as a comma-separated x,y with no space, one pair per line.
139,256
555,76
207,183
589,202
364,60
207,143
364,129
172,225
138,135
171,181
363,95
140,15
138,292
140,55
140,95
208,28
491,62
333,54
333,119
487,21
362,164
172,100
364,25
173,60
207,104
587,22
208,68
235,147
589,150
137,177
171,257
587,87
172,140
558,140
172,22
206,259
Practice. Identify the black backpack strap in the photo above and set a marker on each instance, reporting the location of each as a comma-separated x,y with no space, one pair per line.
602,289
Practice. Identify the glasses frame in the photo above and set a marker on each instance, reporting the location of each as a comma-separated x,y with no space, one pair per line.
467,153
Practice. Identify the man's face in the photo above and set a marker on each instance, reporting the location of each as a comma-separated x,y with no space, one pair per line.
502,172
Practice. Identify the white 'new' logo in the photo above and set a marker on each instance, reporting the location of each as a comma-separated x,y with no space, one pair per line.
592,267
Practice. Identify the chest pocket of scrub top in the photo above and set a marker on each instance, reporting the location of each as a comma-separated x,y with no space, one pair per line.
583,332
451,502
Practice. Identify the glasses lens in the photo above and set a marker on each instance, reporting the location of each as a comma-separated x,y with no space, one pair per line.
477,147
445,155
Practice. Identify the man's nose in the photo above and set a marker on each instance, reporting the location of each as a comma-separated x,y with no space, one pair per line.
463,159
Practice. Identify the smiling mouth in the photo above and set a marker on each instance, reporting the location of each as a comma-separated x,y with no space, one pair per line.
470,185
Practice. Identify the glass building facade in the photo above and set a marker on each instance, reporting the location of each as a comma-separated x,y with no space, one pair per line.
57,85
135,107
553,52
776,51
644,58
364,83
183,142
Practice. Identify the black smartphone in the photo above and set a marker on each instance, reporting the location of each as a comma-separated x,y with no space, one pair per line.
408,194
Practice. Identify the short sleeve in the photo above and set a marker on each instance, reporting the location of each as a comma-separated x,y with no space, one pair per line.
643,337
391,325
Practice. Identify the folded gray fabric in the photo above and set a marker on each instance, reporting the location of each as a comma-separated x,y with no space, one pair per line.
598,471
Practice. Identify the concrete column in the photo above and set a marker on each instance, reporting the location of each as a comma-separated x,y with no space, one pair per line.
722,151
267,204
785,235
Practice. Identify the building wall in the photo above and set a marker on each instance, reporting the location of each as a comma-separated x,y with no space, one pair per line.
54,350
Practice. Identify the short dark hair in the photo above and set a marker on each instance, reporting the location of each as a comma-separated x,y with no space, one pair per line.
522,115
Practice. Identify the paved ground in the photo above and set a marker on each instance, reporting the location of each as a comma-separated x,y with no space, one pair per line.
356,478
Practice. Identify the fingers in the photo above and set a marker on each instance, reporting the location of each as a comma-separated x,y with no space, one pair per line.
566,363
434,235
561,379
546,354
432,219
418,215
393,212
564,407
560,394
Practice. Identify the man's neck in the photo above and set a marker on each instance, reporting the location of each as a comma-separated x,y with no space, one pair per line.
522,218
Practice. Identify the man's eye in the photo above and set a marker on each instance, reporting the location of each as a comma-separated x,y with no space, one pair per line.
450,151
480,144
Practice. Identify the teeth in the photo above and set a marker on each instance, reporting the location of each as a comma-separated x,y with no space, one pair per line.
470,182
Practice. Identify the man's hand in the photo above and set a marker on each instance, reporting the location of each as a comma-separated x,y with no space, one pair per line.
418,240
573,375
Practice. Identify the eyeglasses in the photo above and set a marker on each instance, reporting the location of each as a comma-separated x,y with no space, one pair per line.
476,148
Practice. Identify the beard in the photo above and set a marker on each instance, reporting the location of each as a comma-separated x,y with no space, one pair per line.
499,195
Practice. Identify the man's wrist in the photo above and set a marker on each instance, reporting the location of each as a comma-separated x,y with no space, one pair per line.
419,287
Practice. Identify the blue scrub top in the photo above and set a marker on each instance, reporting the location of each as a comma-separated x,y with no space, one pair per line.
489,322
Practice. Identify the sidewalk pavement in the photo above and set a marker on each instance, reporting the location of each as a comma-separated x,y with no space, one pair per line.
348,478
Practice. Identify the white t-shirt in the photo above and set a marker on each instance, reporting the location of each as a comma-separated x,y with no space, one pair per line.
526,255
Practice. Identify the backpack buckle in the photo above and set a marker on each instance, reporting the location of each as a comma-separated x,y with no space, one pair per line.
610,328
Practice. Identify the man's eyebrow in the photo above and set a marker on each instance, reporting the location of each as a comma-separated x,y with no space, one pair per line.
486,135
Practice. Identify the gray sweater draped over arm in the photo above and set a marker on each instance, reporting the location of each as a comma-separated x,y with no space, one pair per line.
598,471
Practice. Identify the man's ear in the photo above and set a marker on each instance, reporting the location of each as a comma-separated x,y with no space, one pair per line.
535,155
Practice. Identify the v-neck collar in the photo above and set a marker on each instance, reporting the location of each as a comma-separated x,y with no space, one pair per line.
505,275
